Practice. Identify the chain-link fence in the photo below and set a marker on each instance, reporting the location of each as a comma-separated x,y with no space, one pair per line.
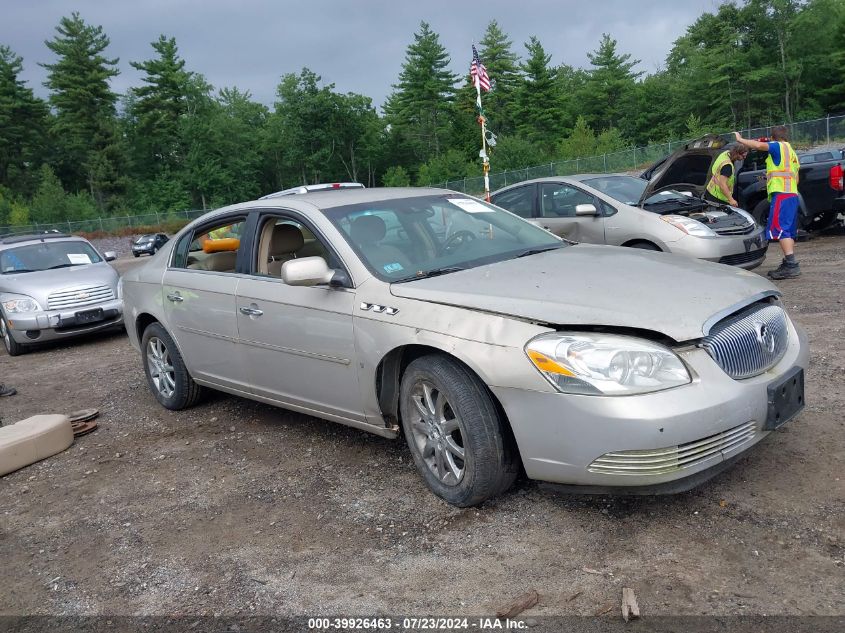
105,225
805,134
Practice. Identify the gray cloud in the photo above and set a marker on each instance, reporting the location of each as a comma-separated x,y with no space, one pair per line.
358,46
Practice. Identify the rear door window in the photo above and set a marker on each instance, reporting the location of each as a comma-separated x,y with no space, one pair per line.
519,201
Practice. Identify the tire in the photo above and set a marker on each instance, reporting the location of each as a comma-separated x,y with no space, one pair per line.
153,252
761,212
646,246
466,419
135,254
173,388
13,348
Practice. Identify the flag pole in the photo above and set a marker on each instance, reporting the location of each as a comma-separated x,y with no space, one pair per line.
485,165
477,72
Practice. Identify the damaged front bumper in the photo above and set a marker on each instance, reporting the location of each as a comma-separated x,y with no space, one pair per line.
50,325
650,441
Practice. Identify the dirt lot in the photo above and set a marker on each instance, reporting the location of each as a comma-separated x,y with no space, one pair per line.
239,508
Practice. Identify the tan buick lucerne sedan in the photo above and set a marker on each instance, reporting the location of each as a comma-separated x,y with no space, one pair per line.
490,344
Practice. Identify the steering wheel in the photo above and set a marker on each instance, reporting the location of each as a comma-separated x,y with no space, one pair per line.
455,238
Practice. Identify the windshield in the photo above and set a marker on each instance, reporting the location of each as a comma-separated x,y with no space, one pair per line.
629,190
47,256
410,238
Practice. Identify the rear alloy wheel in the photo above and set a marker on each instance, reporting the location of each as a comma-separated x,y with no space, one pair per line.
13,348
459,441
167,375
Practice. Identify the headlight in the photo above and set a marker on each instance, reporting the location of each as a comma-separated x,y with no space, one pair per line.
17,304
605,364
688,225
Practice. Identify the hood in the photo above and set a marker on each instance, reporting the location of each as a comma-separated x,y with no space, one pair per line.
39,285
589,285
688,166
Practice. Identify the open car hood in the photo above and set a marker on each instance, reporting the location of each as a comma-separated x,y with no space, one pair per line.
685,169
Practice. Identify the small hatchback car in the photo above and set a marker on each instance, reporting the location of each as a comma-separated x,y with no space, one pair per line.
488,342
55,286
148,244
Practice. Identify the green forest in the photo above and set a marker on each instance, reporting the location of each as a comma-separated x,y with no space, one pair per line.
176,142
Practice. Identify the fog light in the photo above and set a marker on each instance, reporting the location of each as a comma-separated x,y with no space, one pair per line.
33,334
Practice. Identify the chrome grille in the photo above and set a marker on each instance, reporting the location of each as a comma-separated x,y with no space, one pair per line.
79,297
660,461
745,229
749,343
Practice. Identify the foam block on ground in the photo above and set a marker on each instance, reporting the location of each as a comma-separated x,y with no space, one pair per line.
32,440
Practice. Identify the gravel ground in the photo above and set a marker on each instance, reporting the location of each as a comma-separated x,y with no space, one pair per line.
237,508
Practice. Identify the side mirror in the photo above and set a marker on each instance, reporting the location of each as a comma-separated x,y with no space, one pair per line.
110,256
585,209
307,271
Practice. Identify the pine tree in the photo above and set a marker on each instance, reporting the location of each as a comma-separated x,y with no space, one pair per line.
610,85
84,104
537,100
420,107
158,106
22,120
503,68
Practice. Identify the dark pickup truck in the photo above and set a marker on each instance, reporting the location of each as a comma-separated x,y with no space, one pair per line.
819,183
820,179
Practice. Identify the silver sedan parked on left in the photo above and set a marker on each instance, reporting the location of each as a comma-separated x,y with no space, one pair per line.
55,286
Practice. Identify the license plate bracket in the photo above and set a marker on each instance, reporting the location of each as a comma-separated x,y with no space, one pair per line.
89,316
786,399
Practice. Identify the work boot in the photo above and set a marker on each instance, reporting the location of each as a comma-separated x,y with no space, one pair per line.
786,271
7,391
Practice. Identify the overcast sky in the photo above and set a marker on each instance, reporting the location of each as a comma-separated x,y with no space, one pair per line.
358,46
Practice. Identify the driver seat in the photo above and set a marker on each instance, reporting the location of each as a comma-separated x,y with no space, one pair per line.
367,232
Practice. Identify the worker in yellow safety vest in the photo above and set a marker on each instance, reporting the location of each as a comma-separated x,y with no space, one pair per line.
720,184
782,187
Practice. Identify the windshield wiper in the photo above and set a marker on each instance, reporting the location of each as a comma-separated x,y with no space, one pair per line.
434,272
539,249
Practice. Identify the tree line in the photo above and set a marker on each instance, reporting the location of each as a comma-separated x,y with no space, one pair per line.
175,142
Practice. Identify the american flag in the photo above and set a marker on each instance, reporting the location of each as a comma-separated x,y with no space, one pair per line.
478,72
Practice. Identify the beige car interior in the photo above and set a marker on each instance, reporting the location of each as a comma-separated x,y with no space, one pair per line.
367,231
218,255
283,240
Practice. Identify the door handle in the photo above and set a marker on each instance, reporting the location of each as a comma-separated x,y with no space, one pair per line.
251,311
175,297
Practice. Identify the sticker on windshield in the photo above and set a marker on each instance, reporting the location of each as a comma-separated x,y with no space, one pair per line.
78,258
470,206
392,268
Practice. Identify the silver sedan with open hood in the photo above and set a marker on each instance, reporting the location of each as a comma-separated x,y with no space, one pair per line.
490,344
663,214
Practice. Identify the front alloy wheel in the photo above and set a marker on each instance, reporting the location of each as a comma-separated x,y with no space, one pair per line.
13,348
436,431
461,443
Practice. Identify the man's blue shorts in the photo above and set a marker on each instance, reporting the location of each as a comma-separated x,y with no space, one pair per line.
783,216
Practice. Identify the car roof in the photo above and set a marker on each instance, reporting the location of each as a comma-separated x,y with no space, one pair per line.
337,198
18,240
303,189
572,178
